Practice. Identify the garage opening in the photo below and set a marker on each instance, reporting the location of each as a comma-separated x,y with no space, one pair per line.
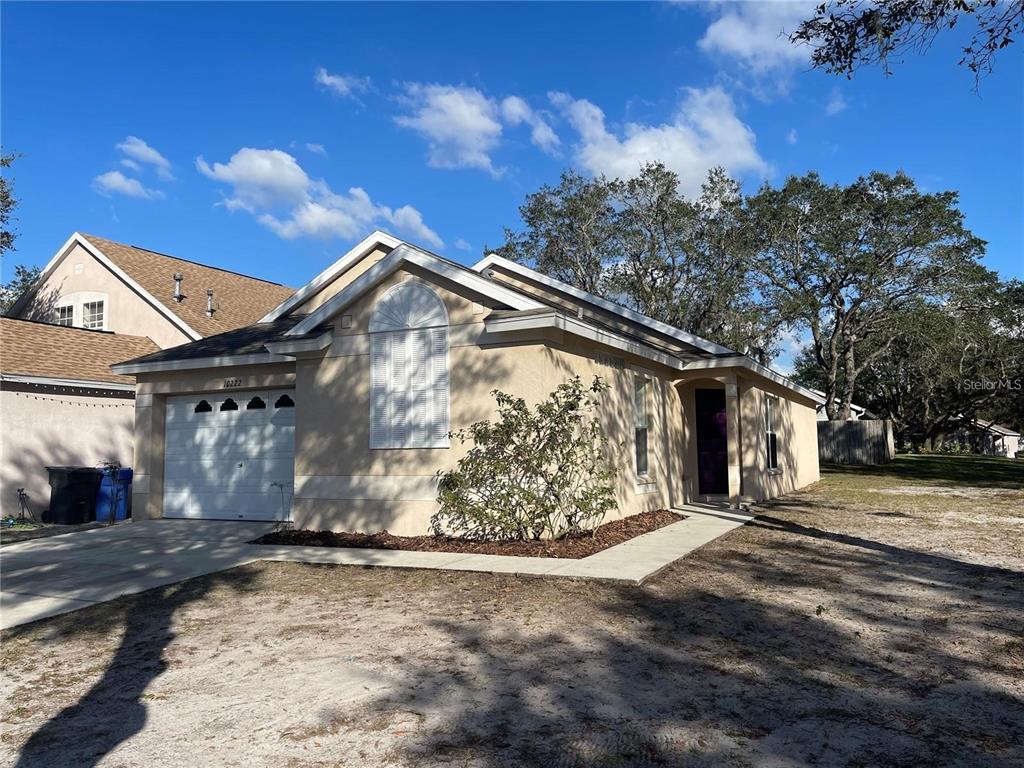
226,462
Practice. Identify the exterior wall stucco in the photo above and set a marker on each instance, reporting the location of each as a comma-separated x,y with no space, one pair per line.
341,483
35,435
79,274
797,432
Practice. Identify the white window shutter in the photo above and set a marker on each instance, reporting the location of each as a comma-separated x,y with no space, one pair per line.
398,394
438,421
379,390
418,387
409,369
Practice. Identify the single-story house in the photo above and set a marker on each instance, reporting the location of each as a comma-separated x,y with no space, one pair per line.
61,404
97,302
334,411
986,437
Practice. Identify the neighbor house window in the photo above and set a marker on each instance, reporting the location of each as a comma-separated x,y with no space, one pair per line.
771,405
409,369
641,422
65,315
92,314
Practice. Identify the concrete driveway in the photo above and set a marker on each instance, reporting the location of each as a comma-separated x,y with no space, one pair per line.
44,577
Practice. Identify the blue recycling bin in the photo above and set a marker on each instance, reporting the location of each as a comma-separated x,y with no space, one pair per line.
115,489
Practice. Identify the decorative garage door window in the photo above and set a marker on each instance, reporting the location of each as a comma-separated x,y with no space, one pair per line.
409,369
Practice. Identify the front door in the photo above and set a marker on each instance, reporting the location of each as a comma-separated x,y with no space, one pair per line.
712,443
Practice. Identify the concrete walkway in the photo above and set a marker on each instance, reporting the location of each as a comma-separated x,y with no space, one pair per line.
45,577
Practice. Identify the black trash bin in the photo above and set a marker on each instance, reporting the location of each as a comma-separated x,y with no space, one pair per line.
73,494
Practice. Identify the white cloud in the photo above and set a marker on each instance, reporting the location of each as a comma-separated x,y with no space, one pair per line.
463,245
459,123
836,103
271,185
704,132
262,178
131,165
756,34
791,137
138,150
316,149
343,85
115,182
516,111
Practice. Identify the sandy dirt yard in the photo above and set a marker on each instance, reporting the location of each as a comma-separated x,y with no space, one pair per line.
876,619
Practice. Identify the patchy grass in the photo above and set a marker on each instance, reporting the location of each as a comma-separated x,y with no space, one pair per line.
845,626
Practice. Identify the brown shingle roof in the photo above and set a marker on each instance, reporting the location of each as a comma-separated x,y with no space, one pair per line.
29,348
239,300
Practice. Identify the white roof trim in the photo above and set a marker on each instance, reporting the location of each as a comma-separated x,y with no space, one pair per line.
77,237
315,344
570,325
629,314
742,361
61,382
406,253
256,358
361,249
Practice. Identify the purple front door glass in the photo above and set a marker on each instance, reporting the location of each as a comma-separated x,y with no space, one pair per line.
712,442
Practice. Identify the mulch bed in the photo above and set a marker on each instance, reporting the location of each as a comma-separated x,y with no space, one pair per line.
574,546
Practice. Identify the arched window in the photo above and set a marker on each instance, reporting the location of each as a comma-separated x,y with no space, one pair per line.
229,405
256,404
284,402
203,407
409,369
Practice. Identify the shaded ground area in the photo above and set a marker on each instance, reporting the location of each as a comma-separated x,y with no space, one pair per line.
572,546
26,531
822,633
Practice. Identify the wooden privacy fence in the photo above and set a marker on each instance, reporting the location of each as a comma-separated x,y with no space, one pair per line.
855,442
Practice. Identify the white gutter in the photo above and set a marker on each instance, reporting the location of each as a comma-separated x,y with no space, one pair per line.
257,358
315,344
609,306
574,327
742,361
60,382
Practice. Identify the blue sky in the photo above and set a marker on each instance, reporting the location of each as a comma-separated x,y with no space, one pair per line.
268,138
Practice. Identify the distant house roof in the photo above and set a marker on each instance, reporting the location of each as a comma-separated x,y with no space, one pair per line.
999,429
239,300
45,351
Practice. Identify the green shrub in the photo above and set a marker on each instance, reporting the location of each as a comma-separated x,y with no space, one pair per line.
533,473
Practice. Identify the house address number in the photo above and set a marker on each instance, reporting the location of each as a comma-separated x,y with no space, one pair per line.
228,383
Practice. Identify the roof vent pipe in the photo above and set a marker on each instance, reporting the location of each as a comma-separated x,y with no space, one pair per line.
178,277
209,302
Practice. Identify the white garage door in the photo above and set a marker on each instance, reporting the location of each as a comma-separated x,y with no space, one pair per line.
230,455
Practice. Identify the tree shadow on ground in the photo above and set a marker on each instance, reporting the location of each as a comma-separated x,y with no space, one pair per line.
113,709
882,656
985,471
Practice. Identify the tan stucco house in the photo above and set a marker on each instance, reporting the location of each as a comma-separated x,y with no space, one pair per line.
334,410
98,302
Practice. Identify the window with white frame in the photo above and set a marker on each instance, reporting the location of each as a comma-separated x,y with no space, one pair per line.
409,369
64,315
771,405
92,314
641,422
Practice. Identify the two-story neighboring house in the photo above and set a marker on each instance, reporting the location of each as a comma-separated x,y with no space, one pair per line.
98,302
